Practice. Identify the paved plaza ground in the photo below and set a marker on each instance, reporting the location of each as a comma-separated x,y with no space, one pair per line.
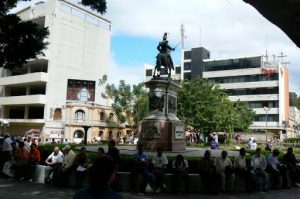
11,189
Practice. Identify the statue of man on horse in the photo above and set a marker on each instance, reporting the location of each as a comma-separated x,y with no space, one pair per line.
164,58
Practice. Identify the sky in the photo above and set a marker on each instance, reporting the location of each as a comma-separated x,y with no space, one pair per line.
227,28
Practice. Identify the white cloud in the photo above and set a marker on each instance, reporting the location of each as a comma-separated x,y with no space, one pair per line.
228,28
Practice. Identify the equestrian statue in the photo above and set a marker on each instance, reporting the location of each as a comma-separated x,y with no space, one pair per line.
164,58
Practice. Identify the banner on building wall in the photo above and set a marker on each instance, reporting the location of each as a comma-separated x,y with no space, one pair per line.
81,90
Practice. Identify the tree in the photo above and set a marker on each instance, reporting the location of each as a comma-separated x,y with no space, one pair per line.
206,107
23,40
130,104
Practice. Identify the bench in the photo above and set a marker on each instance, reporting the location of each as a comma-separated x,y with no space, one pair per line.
195,181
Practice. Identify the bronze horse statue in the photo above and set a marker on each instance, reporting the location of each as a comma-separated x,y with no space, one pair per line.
163,58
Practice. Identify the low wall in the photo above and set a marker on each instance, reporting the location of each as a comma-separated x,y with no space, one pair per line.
195,181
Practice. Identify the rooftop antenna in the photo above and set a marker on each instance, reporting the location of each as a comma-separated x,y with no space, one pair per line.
267,46
182,35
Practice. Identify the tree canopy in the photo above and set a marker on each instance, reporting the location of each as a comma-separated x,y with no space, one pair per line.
129,103
206,107
24,40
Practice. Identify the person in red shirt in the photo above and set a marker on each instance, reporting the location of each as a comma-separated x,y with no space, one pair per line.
22,161
33,160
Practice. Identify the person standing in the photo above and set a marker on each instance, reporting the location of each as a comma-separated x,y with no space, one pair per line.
224,171
54,164
159,162
180,171
6,149
259,164
22,162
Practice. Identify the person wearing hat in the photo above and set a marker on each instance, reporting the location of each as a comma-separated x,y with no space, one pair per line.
207,172
69,158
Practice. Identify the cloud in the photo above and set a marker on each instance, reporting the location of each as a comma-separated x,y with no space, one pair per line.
227,28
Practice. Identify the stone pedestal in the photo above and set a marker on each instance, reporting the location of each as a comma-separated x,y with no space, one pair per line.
162,127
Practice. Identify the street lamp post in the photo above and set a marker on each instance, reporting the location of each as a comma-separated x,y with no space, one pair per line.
266,109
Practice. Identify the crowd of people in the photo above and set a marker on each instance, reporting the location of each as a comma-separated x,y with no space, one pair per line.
218,175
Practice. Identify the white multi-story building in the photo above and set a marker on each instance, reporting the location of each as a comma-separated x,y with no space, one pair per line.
75,59
254,80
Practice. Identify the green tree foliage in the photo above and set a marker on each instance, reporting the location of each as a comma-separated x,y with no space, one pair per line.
23,40
130,104
205,106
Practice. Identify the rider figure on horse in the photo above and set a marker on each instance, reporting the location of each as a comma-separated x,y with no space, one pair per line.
164,58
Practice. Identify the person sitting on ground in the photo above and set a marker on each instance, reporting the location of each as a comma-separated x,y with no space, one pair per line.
293,166
140,164
224,171
159,162
68,165
81,165
276,169
242,170
180,171
214,144
101,175
54,164
34,159
259,164
207,172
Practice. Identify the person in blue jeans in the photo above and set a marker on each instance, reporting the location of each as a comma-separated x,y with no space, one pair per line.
139,167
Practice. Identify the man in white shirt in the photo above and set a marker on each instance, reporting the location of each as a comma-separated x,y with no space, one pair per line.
224,170
54,161
259,164
242,170
160,163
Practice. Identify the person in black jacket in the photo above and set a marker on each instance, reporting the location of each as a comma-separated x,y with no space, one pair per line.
292,164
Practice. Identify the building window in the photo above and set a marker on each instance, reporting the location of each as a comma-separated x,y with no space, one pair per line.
79,116
110,135
111,115
178,70
81,90
187,66
102,116
187,55
100,133
57,114
149,72
78,134
187,76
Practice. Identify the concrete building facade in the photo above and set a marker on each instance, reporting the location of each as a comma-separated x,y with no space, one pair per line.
262,84
75,59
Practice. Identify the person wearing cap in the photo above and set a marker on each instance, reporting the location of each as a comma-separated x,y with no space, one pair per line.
54,164
67,168
276,169
207,172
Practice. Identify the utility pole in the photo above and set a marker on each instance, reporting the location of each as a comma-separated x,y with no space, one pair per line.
182,35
